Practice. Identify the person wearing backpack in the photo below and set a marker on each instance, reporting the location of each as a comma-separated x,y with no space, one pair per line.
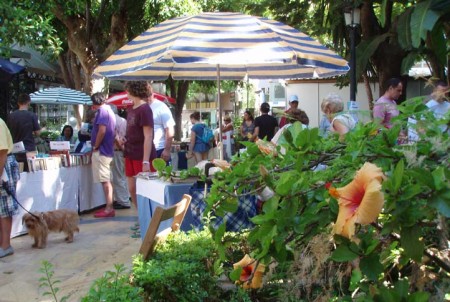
201,137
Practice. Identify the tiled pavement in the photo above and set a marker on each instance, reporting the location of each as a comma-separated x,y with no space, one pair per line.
100,244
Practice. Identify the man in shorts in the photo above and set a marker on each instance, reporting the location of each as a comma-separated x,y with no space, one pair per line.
9,174
102,141
163,126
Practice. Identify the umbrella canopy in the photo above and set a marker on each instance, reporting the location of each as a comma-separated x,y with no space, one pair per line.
8,70
60,95
120,100
190,47
222,45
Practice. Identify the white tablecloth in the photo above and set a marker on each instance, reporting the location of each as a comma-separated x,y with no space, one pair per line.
65,188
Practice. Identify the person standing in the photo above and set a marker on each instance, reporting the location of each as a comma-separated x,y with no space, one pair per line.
265,124
9,174
227,138
197,147
293,104
102,142
248,126
23,123
139,147
164,124
439,104
385,108
121,195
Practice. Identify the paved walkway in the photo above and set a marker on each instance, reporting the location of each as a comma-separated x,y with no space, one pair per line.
100,244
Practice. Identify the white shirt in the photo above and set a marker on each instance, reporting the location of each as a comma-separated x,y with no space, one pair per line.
162,119
439,109
121,126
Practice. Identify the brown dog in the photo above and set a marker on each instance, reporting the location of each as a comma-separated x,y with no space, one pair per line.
42,223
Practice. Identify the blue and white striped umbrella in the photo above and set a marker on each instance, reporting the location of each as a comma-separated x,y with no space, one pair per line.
192,47
60,95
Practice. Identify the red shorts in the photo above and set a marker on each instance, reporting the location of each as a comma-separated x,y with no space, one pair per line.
134,167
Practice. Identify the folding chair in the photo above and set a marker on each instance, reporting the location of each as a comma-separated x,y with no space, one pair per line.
177,212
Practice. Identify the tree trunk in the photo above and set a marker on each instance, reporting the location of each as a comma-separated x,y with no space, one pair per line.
368,91
86,49
178,90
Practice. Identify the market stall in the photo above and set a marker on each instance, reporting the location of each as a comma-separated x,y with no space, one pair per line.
64,187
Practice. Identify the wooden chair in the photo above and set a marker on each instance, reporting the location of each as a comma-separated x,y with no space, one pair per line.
177,212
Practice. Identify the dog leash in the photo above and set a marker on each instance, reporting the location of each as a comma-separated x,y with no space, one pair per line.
8,191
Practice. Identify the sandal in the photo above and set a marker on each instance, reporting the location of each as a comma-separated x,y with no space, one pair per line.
135,227
136,235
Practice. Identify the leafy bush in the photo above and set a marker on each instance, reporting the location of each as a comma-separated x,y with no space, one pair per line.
49,135
181,269
114,286
401,255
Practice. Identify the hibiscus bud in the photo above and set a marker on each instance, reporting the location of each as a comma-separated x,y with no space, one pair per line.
263,170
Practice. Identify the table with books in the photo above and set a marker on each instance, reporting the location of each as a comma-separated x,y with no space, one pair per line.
55,182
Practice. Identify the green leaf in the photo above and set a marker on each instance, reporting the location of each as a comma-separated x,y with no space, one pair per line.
398,176
386,295
439,178
260,219
343,254
219,233
271,205
365,50
404,30
286,181
423,176
354,280
441,202
423,20
439,44
371,266
411,244
236,274
401,288
419,297
382,13
409,62
159,164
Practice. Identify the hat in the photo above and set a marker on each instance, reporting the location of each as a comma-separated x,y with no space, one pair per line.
293,98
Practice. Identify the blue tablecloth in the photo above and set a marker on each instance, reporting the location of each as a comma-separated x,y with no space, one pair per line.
235,222
148,198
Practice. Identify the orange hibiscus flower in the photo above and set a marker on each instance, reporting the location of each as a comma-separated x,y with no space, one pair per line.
360,201
267,148
249,267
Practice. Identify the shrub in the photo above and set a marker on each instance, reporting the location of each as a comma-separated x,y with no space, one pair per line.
397,255
114,286
181,269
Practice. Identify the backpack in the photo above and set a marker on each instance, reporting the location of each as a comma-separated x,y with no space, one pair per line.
207,135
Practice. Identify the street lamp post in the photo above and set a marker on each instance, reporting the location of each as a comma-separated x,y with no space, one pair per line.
352,19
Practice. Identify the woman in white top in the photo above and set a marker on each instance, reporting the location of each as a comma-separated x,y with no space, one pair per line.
228,138
332,106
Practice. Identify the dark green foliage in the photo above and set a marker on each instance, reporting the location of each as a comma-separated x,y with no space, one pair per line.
392,248
114,286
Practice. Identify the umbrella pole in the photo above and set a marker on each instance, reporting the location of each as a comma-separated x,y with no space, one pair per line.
220,113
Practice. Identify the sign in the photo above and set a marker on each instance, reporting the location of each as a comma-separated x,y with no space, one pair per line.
18,147
63,145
